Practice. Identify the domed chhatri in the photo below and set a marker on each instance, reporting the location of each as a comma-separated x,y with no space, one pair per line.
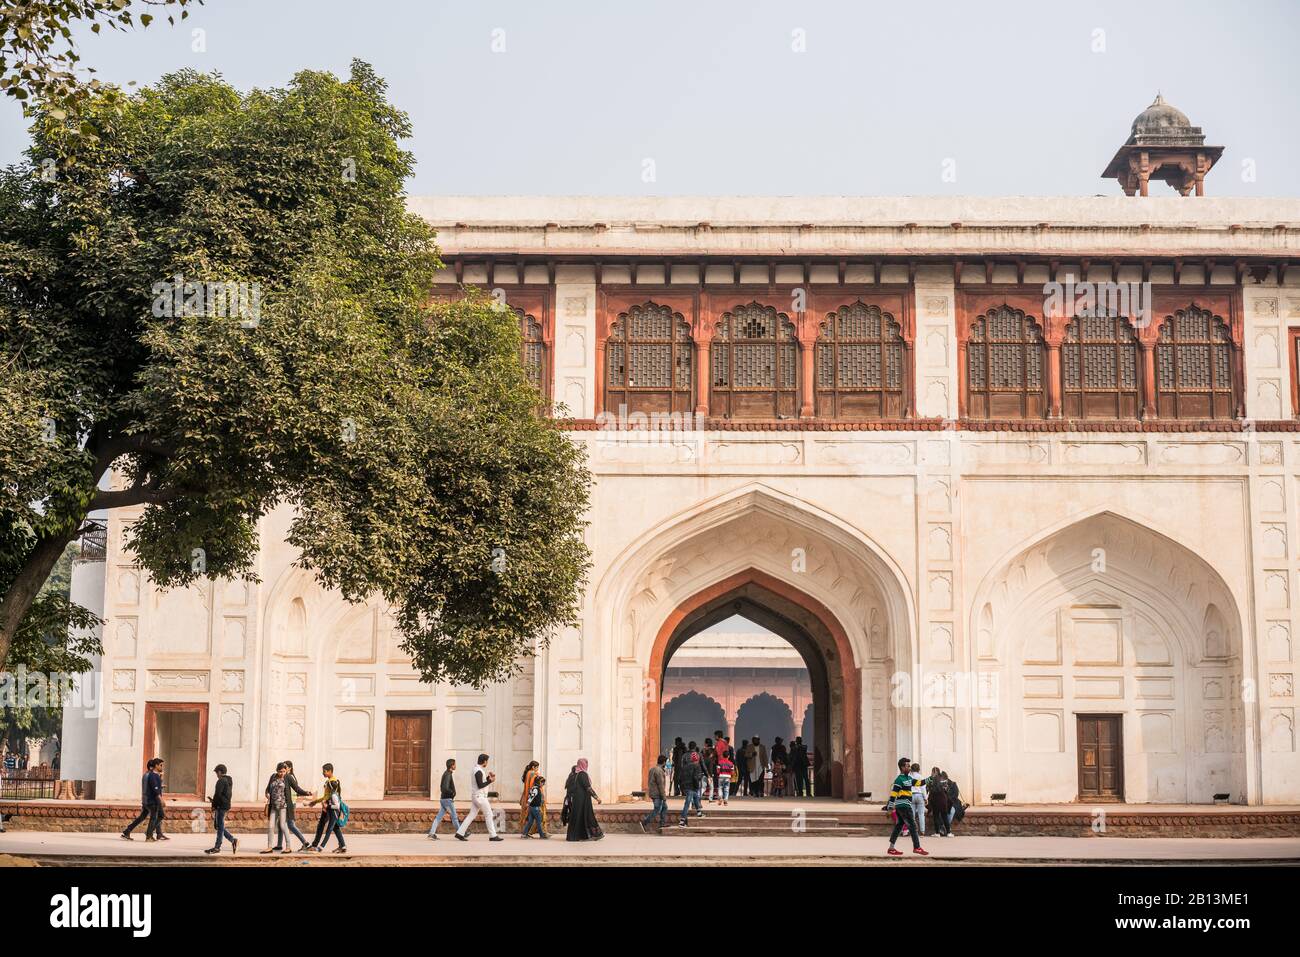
1162,118
1163,145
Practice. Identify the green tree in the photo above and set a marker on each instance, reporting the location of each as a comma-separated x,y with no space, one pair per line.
57,641
403,434
38,55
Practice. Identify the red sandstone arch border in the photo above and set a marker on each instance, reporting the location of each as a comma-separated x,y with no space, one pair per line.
851,772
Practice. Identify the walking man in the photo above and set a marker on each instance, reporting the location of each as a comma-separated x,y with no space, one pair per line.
446,800
900,802
799,764
291,787
479,803
145,814
692,777
657,791
220,808
679,760
151,803
156,811
331,796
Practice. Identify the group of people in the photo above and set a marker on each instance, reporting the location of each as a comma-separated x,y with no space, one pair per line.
912,794
712,772
282,789
578,812
16,762
747,769
280,792
720,769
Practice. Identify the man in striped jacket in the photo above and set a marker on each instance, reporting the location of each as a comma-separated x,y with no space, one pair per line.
900,802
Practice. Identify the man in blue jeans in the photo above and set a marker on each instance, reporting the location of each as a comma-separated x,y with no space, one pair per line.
446,800
220,808
900,802
657,791
692,777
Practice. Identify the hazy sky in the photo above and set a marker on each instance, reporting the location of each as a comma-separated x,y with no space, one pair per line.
1013,97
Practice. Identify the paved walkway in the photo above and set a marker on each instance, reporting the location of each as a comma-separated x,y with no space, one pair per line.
674,848
743,804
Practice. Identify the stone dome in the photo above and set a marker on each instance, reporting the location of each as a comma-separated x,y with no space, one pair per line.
1160,117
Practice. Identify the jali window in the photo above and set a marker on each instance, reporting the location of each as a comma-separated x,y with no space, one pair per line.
648,358
532,352
860,364
1099,369
1194,366
1005,360
755,365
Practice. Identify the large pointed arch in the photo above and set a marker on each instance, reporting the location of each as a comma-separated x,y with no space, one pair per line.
758,528
636,562
1103,614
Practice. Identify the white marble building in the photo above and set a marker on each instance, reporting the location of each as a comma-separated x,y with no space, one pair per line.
1055,584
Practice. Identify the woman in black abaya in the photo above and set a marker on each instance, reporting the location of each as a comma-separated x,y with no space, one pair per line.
582,816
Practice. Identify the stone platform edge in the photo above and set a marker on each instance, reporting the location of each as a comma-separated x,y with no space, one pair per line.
1091,821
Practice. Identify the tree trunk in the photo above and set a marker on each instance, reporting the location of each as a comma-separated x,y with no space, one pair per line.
22,591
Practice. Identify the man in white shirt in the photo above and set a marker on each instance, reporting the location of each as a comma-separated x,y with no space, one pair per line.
478,801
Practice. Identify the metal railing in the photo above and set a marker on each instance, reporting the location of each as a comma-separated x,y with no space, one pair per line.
94,543
31,785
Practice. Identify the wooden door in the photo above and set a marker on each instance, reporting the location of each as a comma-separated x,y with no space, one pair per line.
1101,757
407,765
178,733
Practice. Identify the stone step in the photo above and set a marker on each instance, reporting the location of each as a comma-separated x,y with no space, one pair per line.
725,830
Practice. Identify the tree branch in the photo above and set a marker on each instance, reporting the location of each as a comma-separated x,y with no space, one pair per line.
151,493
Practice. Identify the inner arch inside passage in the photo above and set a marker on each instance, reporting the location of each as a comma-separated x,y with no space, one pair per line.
738,677
754,658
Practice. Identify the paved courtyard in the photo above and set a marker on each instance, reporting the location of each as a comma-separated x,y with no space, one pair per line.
671,849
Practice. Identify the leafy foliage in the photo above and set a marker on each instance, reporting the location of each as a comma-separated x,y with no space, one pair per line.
56,639
404,436
39,59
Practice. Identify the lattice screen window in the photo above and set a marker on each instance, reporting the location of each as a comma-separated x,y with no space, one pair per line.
1099,369
532,352
755,365
648,360
860,364
1005,360
1194,363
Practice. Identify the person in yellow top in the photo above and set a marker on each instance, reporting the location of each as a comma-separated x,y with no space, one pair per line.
331,796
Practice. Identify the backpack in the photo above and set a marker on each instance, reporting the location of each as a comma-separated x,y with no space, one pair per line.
344,812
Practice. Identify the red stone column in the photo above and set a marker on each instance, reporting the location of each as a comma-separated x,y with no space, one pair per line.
909,380
1148,380
807,350
1053,380
703,375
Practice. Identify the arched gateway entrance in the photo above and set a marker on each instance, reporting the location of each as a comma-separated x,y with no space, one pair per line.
812,630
